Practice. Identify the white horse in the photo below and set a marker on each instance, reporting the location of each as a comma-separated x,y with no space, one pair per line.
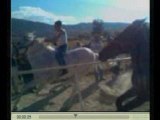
41,55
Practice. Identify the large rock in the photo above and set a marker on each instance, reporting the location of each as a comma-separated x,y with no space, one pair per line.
111,89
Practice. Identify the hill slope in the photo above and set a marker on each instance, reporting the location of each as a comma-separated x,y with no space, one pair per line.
21,27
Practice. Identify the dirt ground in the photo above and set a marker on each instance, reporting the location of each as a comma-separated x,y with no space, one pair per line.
97,96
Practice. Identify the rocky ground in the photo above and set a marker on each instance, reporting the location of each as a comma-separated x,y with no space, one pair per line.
97,96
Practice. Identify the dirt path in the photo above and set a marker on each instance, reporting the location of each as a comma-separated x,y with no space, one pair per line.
95,99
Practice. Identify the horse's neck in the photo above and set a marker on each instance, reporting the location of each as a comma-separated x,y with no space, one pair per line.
38,50
41,55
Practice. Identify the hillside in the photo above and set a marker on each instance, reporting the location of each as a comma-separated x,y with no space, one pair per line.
21,27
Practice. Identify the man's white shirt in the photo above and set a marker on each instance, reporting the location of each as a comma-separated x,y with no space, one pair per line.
96,45
63,38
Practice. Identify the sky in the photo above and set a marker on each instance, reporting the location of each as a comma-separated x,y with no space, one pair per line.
77,11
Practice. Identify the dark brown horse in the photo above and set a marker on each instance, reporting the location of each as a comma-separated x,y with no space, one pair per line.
135,41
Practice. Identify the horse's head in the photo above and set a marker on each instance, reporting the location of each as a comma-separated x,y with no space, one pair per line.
38,45
125,41
131,33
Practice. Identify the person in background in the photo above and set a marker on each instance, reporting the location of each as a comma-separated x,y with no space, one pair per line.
78,44
96,45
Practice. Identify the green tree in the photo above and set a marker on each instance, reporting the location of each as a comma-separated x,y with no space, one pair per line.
98,27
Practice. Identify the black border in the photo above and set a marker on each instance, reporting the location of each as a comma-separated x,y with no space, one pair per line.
5,30
5,59
151,60
155,45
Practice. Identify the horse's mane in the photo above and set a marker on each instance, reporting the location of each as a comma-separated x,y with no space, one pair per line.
134,29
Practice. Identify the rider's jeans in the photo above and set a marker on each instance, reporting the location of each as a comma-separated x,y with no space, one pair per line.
60,52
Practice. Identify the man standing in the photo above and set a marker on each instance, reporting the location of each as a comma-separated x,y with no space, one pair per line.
96,45
60,40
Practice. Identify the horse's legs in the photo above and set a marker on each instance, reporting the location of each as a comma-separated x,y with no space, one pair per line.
142,91
123,97
99,73
77,88
73,83
134,103
96,73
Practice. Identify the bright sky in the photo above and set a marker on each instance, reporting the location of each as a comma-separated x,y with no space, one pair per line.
76,11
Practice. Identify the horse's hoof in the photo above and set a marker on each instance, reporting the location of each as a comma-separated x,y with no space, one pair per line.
43,92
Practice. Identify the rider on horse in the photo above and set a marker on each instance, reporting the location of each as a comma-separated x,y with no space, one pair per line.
60,40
